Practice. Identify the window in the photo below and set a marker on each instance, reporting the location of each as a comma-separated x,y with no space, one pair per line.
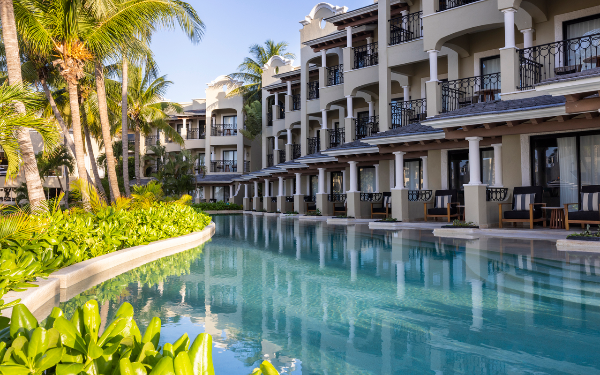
413,174
490,65
230,155
581,27
366,179
201,159
314,185
337,183
459,172
488,176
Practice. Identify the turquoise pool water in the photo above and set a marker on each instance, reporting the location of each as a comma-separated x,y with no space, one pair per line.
319,299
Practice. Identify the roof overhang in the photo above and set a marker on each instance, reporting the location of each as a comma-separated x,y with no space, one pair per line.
402,138
364,15
339,39
352,151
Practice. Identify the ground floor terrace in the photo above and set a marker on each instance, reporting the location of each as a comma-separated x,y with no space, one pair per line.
328,299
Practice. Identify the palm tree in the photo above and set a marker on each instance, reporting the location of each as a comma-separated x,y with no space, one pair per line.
48,164
147,110
250,71
13,68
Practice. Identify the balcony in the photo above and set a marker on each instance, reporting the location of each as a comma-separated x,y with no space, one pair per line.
336,137
196,133
296,102
246,166
223,166
449,4
281,156
151,140
281,112
314,145
366,126
406,28
466,91
568,56
269,118
408,112
335,75
270,160
366,55
313,90
296,151
223,130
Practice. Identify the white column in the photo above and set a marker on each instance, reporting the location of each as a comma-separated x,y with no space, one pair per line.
509,27
353,177
184,129
371,110
350,107
349,36
230,191
474,162
433,65
498,165
289,88
321,181
276,98
298,183
399,162
376,178
289,136
266,188
323,58
425,175
344,181
323,119
276,142
255,189
527,38
406,93
246,191
281,186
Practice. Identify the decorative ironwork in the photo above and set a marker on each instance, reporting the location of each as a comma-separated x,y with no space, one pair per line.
310,198
366,55
313,90
273,199
409,112
289,199
314,145
371,197
270,118
419,195
493,194
337,137
335,197
296,102
270,160
281,110
546,61
366,126
406,28
223,166
466,91
221,130
151,140
246,166
212,201
296,151
199,133
281,156
449,4
335,75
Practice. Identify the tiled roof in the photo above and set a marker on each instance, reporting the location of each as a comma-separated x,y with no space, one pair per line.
316,155
572,77
502,106
410,129
210,178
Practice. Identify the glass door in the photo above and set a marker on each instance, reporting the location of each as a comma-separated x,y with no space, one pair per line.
366,179
314,185
337,183
230,161
413,175
229,125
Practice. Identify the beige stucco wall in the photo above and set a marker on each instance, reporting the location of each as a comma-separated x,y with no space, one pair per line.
511,161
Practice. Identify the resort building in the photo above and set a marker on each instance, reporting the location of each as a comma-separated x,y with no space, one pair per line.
435,108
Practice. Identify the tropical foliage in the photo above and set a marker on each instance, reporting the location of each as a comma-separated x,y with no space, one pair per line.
217,206
253,121
175,171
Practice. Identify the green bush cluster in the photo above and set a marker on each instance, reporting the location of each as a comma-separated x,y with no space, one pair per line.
64,346
217,206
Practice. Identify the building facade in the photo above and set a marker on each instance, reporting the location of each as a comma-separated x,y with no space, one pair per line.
408,99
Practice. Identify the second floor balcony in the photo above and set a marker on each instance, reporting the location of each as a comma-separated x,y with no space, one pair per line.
222,130
151,140
335,75
223,166
196,133
314,145
366,126
406,28
449,4
313,90
270,160
408,112
337,137
281,156
296,151
366,55
466,91
296,102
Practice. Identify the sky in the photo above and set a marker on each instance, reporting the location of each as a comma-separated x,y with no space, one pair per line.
232,26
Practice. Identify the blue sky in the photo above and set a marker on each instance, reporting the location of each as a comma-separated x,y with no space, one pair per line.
231,27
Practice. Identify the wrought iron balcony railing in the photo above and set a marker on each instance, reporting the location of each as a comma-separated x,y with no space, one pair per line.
310,198
409,112
336,137
151,140
281,111
406,28
335,75
335,197
366,126
270,118
281,156
296,102
196,133
371,197
449,4
466,91
419,195
314,145
221,130
366,55
547,61
313,90
493,194
223,166
296,151
246,166
289,199
269,160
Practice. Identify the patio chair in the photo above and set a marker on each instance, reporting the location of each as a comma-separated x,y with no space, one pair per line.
385,209
340,208
589,209
444,205
311,207
525,208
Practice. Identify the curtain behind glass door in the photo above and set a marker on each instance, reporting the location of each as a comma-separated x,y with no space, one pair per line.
366,179
337,183
487,166
569,183
589,149
412,175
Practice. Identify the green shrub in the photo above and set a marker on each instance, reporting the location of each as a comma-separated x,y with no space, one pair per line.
76,346
316,212
217,206
586,233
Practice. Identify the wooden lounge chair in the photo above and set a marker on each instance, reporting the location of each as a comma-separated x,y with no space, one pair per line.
584,215
447,210
340,208
531,213
385,209
311,206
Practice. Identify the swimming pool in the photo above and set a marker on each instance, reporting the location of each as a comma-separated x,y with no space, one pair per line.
322,299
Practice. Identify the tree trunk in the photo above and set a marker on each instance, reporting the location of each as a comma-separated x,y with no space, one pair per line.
125,126
138,173
93,163
105,125
13,66
80,156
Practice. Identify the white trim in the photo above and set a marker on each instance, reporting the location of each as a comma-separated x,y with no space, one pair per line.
335,9
576,86
451,9
319,160
351,151
401,138
460,121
